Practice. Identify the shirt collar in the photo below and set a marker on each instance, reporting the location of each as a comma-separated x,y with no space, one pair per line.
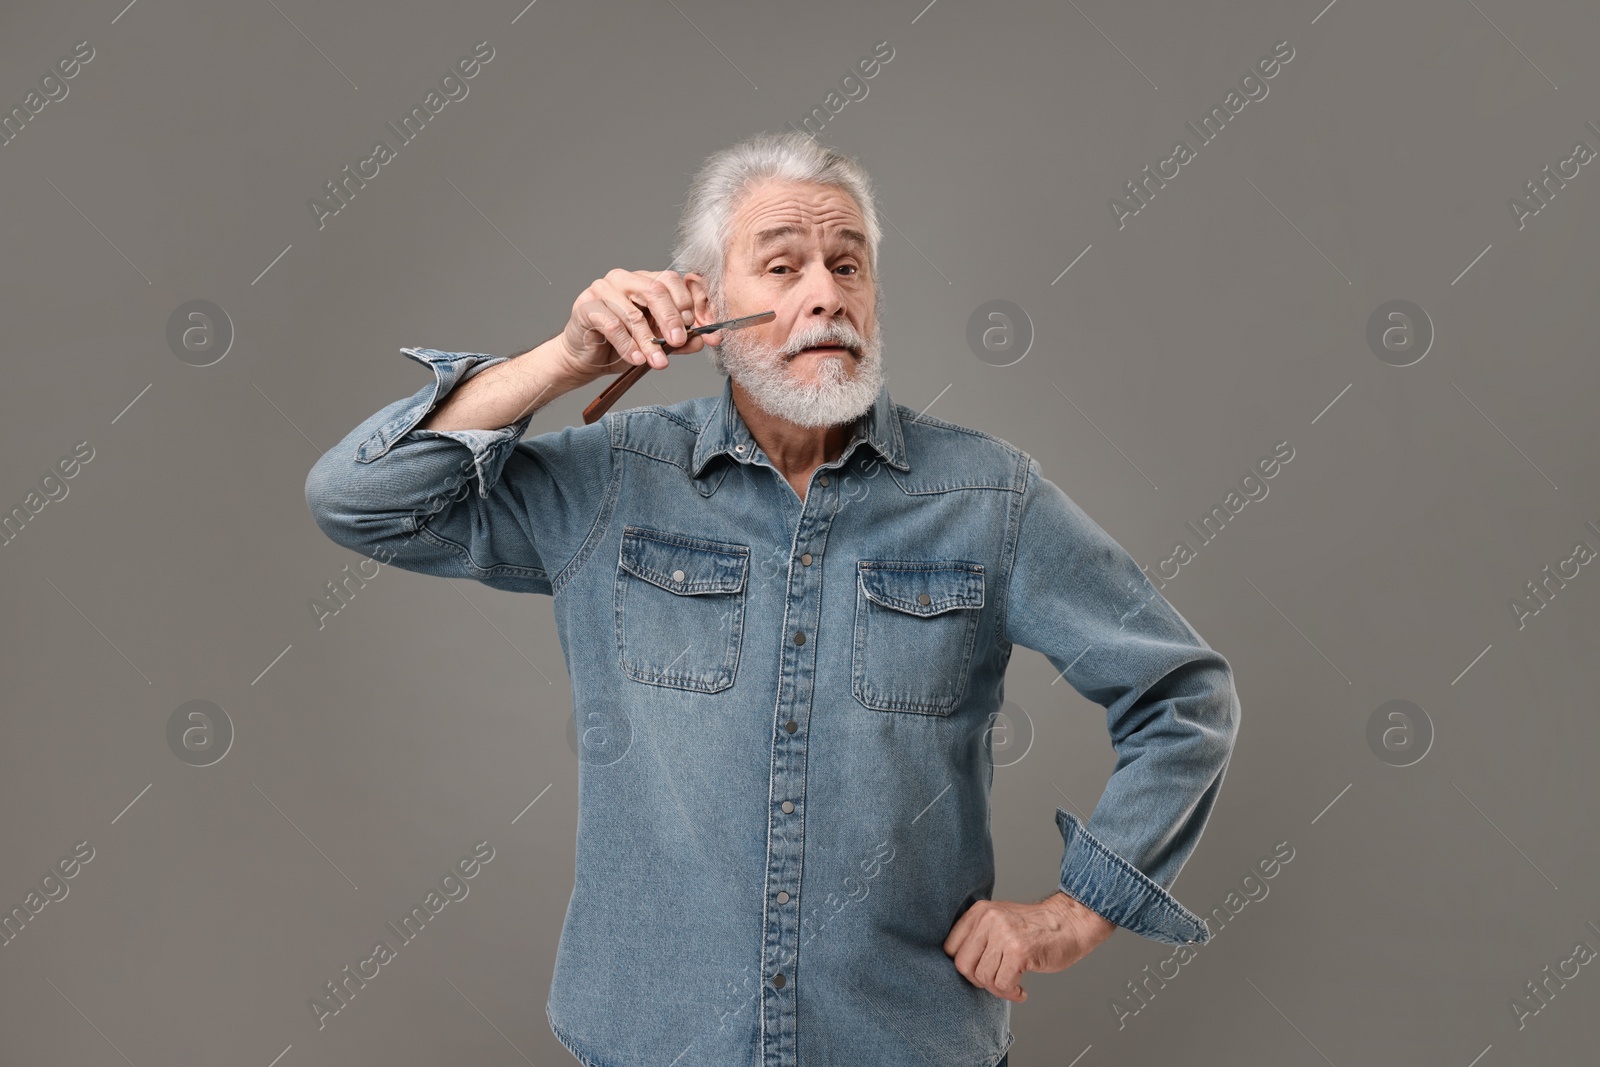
725,432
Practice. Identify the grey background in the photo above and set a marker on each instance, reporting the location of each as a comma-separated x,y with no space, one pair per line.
1228,315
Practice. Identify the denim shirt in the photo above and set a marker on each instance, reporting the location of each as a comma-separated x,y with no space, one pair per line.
784,709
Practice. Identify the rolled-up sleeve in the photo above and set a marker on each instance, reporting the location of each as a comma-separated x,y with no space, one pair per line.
1076,596
478,504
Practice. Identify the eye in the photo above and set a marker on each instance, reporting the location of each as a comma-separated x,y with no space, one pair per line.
780,267
851,267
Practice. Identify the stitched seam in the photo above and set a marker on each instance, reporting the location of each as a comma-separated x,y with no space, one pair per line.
472,566
722,677
701,544
1163,898
1009,551
911,415
664,412
621,437
858,674
652,455
391,439
602,521
566,1042
944,487
974,572
686,588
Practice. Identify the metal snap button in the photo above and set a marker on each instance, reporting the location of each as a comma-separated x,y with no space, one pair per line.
823,479
791,726
777,981
800,638
677,576
924,598
805,559
783,896
788,807
738,448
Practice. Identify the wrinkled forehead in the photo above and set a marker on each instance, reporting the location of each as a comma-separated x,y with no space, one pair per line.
775,215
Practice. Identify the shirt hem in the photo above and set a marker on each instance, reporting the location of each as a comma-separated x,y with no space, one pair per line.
588,1061
571,1046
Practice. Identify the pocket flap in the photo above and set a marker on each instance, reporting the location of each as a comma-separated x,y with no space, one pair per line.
923,588
685,565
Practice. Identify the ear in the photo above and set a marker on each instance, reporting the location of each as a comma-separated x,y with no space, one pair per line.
700,292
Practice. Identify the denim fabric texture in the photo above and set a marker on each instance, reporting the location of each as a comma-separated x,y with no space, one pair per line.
784,709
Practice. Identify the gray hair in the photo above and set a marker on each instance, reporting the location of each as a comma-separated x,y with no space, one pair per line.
706,222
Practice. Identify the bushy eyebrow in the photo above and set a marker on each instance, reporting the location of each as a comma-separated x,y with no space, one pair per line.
777,233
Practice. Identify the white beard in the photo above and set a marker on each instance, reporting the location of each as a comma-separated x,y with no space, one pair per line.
830,396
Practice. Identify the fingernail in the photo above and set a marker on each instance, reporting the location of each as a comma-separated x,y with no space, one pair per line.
679,335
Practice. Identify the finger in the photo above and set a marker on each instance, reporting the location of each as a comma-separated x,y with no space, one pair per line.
970,954
679,288
598,319
627,293
681,297
664,310
988,965
634,343
639,327
959,933
1007,977
958,936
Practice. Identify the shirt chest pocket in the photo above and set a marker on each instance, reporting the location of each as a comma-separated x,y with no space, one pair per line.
680,609
916,623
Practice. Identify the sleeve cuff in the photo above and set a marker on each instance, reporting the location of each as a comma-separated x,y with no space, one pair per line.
489,448
1112,887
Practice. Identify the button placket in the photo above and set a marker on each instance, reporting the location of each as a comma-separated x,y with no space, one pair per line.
796,687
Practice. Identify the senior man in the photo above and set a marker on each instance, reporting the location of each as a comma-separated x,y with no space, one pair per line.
786,613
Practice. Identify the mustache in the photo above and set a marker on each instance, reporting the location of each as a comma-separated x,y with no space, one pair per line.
833,332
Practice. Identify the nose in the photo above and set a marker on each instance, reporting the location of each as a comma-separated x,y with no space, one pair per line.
823,297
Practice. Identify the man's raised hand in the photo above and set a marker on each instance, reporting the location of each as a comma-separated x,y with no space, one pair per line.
614,319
